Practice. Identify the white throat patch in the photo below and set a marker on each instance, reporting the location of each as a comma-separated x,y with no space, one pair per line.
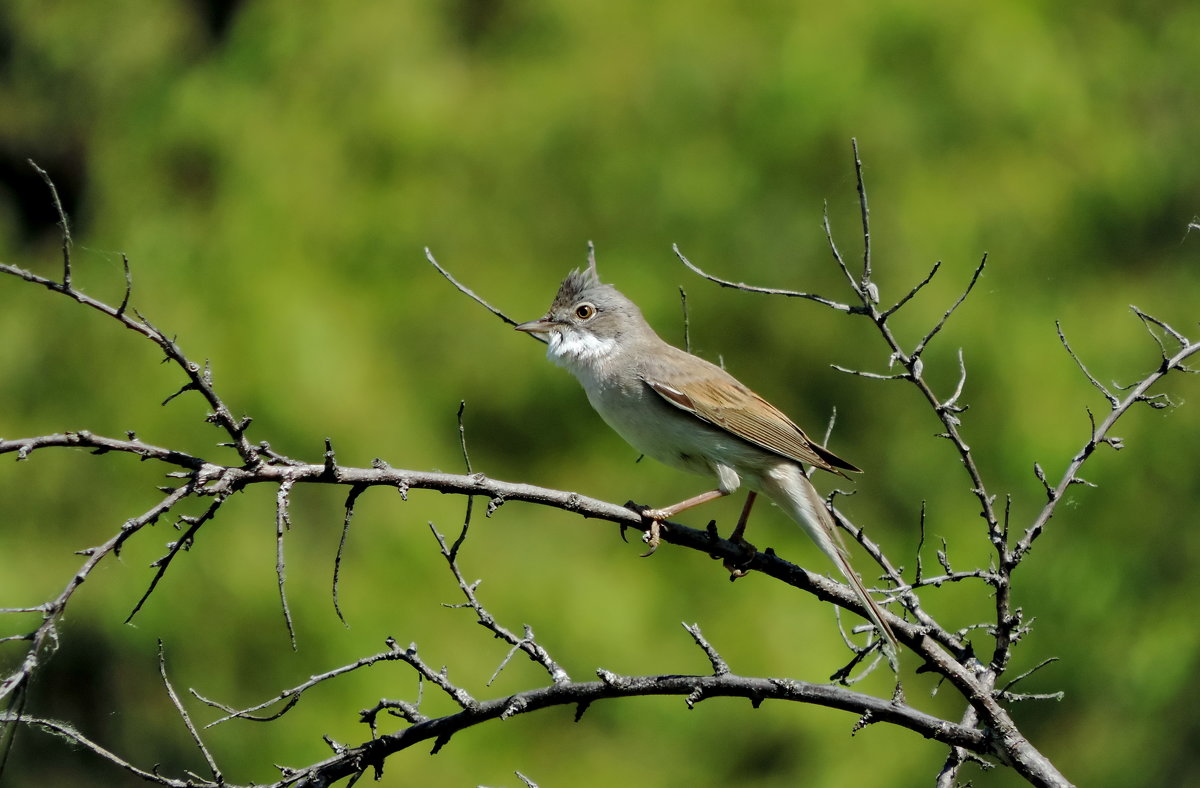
567,347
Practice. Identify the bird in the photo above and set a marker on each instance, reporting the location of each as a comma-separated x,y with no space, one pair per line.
691,414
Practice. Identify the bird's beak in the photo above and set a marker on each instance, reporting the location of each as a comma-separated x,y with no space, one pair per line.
542,326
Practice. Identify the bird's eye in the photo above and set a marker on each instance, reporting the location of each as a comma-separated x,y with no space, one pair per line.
585,311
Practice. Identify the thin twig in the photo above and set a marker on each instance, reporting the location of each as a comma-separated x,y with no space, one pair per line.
1108,395
452,556
1013,682
1150,319
184,542
920,348
951,404
291,696
885,314
871,375
128,285
687,336
867,284
283,523
719,665
471,293
63,224
763,290
854,283
351,498
187,719
71,734
528,644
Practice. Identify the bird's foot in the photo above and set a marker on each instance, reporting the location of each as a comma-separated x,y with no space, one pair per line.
653,535
656,514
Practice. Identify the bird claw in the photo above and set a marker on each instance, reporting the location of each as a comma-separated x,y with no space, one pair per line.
652,537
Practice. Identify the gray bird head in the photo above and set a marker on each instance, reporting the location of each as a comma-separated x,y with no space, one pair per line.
588,319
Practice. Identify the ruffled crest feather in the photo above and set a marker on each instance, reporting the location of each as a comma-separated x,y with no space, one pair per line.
577,282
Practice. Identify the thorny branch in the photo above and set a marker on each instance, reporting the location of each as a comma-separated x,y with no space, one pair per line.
1009,624
985,729
350,761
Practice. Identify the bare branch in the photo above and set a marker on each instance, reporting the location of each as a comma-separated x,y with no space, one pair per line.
687,336
63,224
871,375
199,379
1100,435
337,559
45,637
182,543
471,293
187,720
290,697
720,667
1013,682
867,283
920,348
841,262
349,760
1148,320
1108,395
908,297
128,285
283,522
452,554
26,446
898,590
72,735
763,290
536,652
952,403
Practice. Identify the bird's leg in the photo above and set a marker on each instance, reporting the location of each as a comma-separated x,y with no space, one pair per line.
740,529
738,537
667,512
656,516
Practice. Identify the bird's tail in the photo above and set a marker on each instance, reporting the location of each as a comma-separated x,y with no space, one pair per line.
791,490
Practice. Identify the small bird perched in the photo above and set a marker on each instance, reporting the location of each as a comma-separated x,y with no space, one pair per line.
692,415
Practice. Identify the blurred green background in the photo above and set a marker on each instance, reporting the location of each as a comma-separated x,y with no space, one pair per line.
273,172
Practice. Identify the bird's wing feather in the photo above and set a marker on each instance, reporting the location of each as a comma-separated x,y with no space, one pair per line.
739,411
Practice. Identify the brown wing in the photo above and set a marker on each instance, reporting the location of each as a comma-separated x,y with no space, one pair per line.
727,404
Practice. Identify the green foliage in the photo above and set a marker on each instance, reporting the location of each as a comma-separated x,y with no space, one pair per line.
273,184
